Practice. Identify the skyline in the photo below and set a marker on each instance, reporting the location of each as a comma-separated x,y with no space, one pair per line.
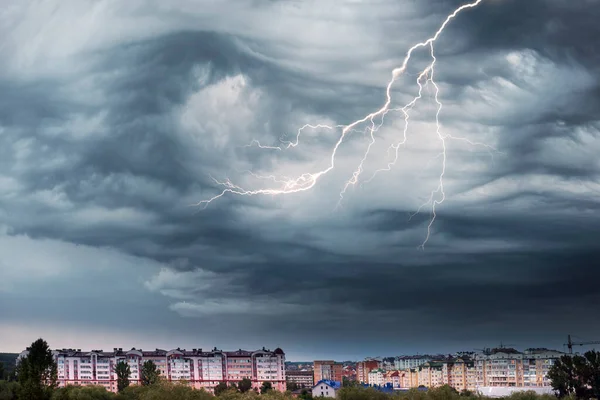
116,118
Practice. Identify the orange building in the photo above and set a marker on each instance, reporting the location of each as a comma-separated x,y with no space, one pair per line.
329,370
364,367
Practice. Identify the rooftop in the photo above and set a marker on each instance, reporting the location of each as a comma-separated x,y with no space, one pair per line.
330,383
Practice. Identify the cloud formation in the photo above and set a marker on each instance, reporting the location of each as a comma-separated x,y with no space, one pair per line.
114,120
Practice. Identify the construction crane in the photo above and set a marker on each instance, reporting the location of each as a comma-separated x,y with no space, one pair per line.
571,343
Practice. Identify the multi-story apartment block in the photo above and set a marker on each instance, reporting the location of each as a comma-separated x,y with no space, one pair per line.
376,377
460,373
393,378
505,367
364,367
200,369
304,379
431,374
327,370
408,362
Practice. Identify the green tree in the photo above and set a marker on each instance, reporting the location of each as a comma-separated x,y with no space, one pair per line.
568,376
346,382
305,394
8,390
150,373
220,388
291,386
266,387
82,393
245,385
591,373
37,372
123,371
2,371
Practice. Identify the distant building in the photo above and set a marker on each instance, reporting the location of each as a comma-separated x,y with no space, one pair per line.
326,388
408,362
200,369
349,372
460,373
364,367
393,378
327,370
303,379
376,377
431,374
507,367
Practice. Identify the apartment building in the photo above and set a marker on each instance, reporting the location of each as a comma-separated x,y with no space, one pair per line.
376,377
200,369
431,374
506,367
364,367
460,373
304,379
327,370
408,362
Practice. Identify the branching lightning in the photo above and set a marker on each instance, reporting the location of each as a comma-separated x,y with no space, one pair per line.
307,180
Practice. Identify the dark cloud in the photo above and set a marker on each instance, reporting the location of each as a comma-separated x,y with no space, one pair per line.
113,155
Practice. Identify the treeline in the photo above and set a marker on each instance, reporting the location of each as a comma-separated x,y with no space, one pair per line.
180,391
7,365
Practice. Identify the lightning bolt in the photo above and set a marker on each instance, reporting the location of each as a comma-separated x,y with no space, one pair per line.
307,180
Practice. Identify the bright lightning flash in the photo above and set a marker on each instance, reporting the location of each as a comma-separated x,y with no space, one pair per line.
307,180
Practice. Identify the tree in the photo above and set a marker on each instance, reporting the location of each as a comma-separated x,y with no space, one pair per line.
591,373
150,373
305,395
291,386
1,370
266,387
245,385
123,371
577,375
347,382
220,388
37,372
8,390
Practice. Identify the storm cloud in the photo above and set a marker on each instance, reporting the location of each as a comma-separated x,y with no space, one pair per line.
117,118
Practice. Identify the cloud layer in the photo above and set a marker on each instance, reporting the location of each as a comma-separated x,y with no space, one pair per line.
116,119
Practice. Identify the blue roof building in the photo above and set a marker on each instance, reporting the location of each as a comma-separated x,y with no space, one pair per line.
326,388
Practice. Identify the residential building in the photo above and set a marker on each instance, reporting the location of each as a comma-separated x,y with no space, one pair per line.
327,370
460,373
507,367
326,388
431,374
388,365
200,369
364,367
303,379
349,372
393,378
408,362
376,377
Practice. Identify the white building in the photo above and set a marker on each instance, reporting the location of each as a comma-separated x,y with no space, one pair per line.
409,362
376,377
326,388
200,369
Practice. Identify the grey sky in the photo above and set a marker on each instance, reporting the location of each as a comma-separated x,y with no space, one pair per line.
115,115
